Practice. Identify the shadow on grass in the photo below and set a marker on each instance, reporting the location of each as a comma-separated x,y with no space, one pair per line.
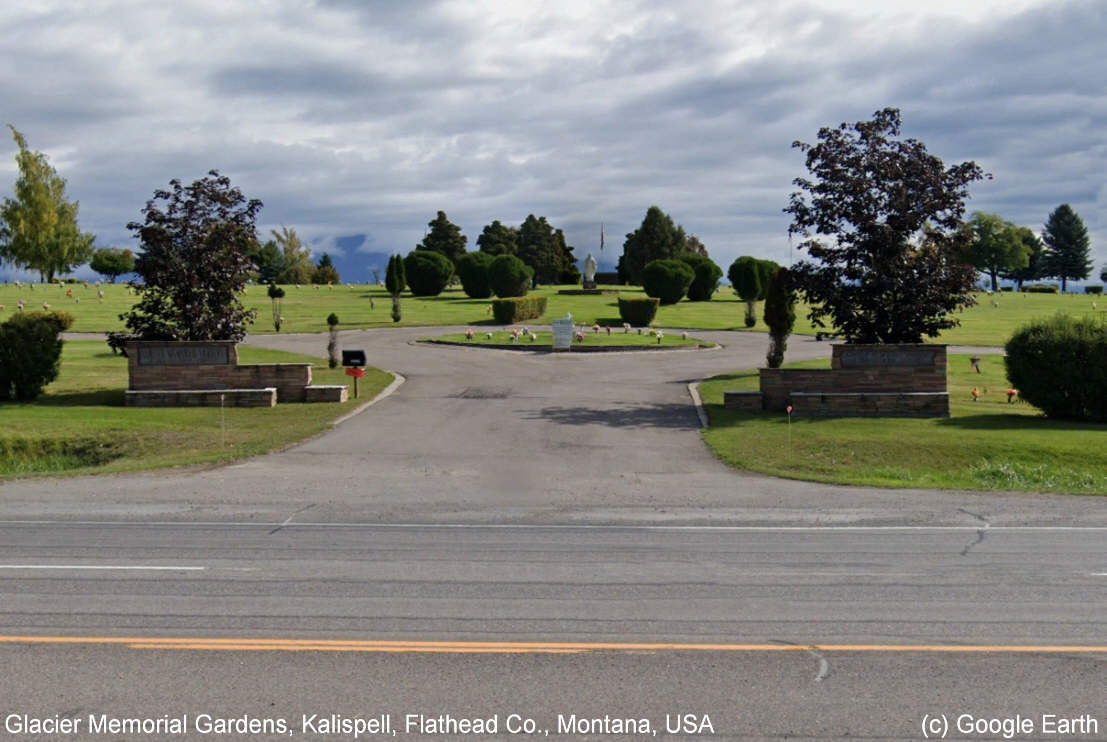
1013,422
670,416
99,398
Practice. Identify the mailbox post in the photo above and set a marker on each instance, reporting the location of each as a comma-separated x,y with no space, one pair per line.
354,361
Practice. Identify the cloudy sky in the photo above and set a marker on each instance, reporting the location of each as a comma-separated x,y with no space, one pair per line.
355,121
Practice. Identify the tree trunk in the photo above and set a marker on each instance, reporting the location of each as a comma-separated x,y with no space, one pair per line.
995,282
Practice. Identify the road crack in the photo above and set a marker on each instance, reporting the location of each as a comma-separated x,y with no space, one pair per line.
980,533
289,518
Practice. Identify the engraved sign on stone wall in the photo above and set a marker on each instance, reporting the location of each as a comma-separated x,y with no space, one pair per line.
910,357
183,355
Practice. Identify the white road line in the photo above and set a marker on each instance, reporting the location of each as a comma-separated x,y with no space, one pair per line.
146,568
539,526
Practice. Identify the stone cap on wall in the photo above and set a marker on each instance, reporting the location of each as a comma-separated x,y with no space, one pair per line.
182,353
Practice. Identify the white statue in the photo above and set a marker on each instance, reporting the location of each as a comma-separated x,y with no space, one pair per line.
589,269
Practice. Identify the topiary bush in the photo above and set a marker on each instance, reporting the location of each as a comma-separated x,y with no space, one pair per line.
1093,289
667,280
638,311
472,269
1059,365
765,271
518,308
706,277
1039,288
745,278
428,273
30,352
509,276
780,314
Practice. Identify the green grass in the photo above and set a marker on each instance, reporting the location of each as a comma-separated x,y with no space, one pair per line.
544,339
79,425
305,310
984,445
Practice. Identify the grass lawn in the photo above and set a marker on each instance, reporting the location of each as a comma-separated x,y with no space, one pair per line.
544,339
80,426
305,309
984,445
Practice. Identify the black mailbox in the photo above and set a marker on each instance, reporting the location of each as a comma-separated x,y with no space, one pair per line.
353,358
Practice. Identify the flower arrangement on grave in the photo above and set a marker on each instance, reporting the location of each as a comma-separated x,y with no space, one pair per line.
609,329
469,334
626,327
580,337
533,337
660,335
595,328
684,336
489,336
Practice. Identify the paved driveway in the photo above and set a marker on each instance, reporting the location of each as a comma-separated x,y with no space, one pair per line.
478,435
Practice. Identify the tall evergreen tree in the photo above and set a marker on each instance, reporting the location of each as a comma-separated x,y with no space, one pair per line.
298,267
543,249
657,238
1068,249
498,239
38,228
444,237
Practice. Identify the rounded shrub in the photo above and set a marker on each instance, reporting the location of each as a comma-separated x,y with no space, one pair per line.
638,311
509,276
667,280
30,352
428,273
1059,365
706,278
472,269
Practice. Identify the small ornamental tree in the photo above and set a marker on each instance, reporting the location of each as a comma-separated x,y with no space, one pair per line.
428,273
765,271
112,262
472,269
707,276
332,342
196,243
745,278
892,269
276,293
394,281
780,315
667,280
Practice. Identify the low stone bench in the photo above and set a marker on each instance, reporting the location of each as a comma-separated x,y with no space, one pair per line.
864,404
326,393
266,397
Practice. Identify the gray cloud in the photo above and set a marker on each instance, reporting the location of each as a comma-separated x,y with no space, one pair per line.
351,118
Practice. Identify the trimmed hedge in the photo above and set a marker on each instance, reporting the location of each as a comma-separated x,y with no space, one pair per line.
1059,365
518,308
30,352
1093,289
706,280
428,273
509,276
638,311
472,269
667,280
608,278
1040,288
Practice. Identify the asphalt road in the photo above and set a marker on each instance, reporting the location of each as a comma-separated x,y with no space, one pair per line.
545,535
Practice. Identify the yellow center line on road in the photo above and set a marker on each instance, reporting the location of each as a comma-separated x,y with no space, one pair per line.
475,647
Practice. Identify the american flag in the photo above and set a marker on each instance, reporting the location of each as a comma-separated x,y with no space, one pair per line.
601,236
